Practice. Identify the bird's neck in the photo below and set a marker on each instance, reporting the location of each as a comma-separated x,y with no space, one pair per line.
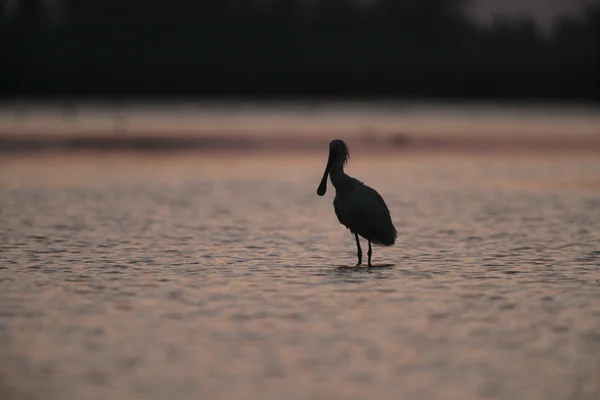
339,179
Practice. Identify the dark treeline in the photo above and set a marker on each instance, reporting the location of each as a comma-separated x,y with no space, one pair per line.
403,48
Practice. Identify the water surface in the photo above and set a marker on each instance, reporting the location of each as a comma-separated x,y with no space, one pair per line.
226,277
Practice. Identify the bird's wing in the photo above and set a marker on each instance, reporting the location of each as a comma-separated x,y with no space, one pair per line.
376,196
363,211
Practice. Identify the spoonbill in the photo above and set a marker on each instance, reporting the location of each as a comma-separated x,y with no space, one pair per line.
357,206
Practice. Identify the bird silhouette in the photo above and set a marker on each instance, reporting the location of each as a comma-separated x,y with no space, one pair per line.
357,206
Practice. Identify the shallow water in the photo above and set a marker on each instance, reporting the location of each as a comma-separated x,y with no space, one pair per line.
227,277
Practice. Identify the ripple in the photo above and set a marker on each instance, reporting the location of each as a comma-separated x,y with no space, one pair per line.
208,280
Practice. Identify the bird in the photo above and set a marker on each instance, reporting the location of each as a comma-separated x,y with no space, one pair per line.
357,206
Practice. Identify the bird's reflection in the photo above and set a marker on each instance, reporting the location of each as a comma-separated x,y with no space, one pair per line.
344,269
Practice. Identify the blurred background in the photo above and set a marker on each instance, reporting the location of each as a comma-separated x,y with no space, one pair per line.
295,69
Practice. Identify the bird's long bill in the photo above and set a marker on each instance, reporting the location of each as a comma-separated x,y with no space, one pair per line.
323,185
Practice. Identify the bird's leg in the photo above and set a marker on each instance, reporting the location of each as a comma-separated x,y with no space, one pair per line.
369,253
359,254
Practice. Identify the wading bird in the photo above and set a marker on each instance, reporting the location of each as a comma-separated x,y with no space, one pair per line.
357,206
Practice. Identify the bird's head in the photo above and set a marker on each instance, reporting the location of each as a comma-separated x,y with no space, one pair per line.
338,152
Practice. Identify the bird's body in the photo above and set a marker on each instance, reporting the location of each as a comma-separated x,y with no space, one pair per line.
357,206
359,209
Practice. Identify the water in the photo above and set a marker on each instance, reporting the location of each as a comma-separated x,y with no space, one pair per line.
304,119
226,277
